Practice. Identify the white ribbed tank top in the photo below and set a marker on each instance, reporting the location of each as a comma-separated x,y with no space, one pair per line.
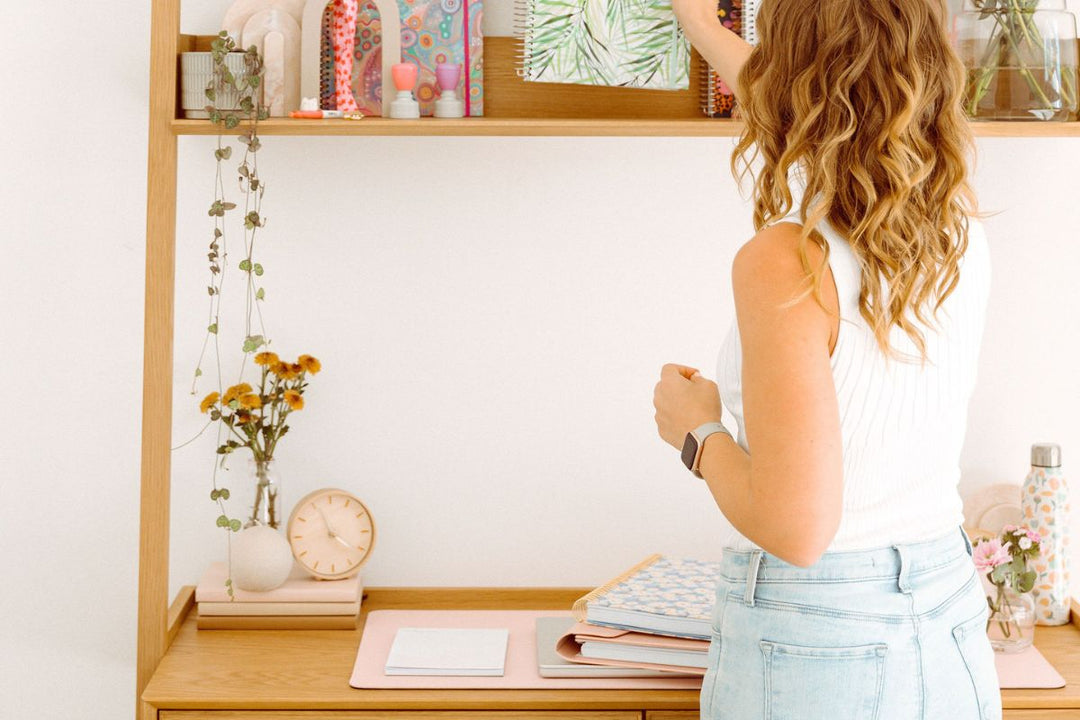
902,424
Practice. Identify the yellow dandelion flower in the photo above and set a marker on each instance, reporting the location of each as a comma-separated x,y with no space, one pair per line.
295,400
250,401
234,392
310,364
266,358
296,369
208,402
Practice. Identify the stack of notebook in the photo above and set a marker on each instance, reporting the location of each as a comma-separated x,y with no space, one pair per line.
655,616
301,603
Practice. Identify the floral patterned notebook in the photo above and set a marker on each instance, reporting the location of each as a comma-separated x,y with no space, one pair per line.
628,43
432,32
660,595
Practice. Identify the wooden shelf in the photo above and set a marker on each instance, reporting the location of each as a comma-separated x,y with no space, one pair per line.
266,670
513,107
494,126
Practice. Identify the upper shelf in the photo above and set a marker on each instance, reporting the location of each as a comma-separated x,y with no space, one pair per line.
492,126
517,108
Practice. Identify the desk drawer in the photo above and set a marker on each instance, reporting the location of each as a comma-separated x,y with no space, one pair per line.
401,715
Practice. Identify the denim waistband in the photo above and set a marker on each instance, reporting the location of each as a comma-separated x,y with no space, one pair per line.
894,561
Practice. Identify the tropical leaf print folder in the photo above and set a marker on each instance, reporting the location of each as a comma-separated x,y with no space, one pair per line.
627,43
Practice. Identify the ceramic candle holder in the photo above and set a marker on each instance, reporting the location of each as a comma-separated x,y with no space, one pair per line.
404,105
448,105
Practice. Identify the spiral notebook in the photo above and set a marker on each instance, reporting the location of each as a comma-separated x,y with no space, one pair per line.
739,16
603,42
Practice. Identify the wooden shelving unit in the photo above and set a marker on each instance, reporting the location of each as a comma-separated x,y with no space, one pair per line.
512,108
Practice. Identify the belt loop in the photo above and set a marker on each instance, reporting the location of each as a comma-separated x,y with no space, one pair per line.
905,567
751,576
967,541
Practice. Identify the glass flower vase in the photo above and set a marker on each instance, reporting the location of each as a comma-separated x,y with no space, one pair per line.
265,508
1011,624
1020,58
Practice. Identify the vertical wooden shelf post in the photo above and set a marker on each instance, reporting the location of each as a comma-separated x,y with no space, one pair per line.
157,349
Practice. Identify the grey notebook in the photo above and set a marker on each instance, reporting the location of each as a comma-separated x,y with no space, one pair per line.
552,664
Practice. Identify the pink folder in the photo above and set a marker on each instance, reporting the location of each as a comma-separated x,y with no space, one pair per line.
569,646
521,670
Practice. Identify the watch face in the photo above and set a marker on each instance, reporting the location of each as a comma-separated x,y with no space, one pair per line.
689,451
331,533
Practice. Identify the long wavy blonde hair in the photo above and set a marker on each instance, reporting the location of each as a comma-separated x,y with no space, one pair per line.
865,95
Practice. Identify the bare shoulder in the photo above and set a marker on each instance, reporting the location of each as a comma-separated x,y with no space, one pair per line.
769,266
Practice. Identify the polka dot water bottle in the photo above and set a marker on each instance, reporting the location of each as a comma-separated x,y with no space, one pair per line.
1045,504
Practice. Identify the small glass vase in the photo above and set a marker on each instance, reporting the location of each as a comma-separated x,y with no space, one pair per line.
1020,57
265,509
1011,625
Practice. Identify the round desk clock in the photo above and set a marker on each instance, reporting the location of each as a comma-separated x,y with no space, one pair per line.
331,533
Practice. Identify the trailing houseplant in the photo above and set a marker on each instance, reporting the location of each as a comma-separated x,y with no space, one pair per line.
252,418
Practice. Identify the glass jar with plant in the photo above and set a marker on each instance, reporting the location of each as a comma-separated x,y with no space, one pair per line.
1021,59
1011,624
257,419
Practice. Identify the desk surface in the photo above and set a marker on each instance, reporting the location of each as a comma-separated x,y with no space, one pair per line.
309,669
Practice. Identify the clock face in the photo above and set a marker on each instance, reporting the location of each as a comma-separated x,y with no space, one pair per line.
331,533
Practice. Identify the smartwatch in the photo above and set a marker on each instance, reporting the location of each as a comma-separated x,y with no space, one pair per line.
695,441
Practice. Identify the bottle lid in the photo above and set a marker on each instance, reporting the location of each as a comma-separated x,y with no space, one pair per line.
1046,455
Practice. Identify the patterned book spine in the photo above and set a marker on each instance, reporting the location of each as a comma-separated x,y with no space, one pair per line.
717,101
581,605
327,100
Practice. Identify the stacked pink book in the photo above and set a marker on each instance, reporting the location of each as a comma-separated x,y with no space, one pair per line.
301,603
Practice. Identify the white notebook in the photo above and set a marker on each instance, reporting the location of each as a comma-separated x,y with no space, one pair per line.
448,651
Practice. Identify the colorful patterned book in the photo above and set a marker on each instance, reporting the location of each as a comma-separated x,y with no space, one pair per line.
661,595
432,32
626,43
717,100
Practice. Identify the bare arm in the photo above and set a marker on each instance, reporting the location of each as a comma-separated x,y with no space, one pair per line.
785,496
722,49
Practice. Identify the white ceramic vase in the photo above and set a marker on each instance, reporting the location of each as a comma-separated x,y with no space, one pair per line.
261,558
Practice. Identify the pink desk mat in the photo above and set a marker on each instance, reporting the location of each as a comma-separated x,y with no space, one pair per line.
521,669
1026,669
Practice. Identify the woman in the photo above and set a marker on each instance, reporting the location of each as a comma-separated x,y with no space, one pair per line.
847,588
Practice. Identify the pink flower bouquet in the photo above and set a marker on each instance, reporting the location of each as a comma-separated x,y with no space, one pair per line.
1003,560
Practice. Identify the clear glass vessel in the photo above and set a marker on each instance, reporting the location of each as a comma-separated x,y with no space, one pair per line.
265,509
1011,625
1020,57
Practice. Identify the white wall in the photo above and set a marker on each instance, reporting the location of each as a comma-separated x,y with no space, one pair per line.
510,306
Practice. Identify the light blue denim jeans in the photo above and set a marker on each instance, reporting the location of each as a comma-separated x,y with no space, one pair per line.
894,633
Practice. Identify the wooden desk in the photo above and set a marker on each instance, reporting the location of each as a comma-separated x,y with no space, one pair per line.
304,674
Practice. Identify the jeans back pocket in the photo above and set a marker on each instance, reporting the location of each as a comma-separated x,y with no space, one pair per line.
978,655
823,682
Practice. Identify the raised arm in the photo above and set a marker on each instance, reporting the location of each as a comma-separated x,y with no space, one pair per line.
722,49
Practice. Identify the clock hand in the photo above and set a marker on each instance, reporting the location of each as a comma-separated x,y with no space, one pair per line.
343,542
329,530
